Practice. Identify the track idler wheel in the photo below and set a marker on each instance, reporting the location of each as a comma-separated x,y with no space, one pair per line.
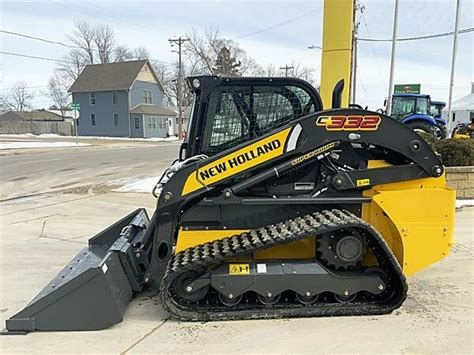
184,289
307,299
230,301
269,300
345,299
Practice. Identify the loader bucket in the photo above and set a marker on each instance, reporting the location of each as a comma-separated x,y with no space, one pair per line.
94,289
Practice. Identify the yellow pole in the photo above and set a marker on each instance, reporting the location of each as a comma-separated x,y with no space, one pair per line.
336,61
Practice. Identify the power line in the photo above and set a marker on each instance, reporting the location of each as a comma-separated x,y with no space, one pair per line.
436,35
34,57
287,68
28,87
37,38
372,46
277,24
59,43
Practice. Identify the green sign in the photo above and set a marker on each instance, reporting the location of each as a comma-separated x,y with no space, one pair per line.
407,88
76,107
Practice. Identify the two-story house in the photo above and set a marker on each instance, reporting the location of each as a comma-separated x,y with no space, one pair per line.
121,99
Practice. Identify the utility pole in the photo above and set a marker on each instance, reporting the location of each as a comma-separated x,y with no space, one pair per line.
361,8
286,68
453,64
388,108
179,41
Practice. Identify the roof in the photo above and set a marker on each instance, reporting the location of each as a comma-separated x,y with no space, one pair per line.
438,103
149,109
31,116
465,103
411,95
109,76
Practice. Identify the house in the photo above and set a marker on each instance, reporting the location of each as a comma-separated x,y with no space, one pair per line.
121,99
35,122
463,109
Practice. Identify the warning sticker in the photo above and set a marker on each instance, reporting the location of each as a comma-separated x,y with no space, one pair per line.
363,182
239,269
261,268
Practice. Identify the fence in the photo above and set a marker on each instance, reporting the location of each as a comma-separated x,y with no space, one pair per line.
36,127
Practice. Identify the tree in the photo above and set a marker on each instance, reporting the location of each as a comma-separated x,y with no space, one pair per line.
20,97
226,64
204,50
104,39
94,44
83,37
59,94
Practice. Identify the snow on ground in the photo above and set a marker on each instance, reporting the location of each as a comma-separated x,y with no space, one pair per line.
464,203
49,135
22,145
136,184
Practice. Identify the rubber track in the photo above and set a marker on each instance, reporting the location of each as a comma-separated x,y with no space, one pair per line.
204,257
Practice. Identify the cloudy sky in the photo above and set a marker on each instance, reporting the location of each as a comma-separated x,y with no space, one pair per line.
150,23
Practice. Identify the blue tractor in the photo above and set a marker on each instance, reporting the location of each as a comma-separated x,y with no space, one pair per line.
418,112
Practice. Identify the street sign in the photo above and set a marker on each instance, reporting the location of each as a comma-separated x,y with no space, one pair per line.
76,106
407,88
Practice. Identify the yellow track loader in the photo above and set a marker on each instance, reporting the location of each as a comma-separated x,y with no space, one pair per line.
275,208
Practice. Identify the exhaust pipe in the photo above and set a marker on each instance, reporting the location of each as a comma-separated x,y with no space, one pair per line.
94,289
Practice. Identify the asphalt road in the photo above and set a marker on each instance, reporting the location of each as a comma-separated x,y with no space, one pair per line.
33,171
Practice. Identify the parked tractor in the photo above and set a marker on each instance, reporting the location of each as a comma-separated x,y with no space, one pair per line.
418,112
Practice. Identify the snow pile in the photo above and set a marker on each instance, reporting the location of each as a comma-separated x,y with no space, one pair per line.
464,203
137,185
22,145
51,135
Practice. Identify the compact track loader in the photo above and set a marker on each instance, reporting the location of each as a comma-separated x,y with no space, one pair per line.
275,208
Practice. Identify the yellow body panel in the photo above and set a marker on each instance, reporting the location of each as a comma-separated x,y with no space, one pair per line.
301,249
191,238
415,217
236,162
336,61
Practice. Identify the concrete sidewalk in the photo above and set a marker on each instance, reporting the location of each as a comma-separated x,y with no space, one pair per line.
51,229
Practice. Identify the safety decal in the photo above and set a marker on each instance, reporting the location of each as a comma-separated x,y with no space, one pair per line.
239,269
349,123
238,161
261,268
363,182
314,153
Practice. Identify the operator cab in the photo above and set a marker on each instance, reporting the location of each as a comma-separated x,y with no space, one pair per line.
404,105
229,111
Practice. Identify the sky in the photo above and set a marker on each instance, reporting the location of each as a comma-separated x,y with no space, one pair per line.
150,23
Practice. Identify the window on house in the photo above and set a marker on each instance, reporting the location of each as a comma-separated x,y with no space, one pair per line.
92,98
151,122
137,123
115,119
114,97
161,123
147,97
92,119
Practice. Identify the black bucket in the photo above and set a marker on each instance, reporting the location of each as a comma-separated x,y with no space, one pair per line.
94,289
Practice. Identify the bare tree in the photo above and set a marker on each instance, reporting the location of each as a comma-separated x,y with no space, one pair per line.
104,39
83,37
58,93
20,97
122,54
140,53
71,65
205,50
